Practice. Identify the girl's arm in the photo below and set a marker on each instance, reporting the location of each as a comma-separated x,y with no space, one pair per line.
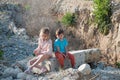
48,49
37,50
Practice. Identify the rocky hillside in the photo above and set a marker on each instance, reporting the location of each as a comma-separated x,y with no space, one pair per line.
34,14
21,20
15,44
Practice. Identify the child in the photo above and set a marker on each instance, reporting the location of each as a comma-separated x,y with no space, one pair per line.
60,48
42,52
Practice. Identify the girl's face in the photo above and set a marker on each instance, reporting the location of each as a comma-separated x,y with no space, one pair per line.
44,36
60,36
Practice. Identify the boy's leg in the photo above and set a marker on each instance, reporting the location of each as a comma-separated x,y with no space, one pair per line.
60,59
72,59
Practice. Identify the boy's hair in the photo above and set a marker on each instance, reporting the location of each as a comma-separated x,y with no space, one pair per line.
45,30
59,31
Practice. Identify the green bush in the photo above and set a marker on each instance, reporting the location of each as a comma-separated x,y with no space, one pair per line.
102,12
118,64
27,7
69,19
1,54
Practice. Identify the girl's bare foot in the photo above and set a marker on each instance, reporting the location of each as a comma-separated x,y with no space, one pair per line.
28,71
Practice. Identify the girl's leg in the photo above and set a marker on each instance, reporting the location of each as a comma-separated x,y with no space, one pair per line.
32,61
31,66
72,59
60,58
38,59
41,58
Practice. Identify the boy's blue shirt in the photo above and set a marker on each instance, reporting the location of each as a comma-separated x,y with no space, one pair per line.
61,44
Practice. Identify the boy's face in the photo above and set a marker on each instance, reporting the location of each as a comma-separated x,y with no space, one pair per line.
60,36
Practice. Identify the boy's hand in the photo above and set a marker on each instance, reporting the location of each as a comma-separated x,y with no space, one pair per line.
67,55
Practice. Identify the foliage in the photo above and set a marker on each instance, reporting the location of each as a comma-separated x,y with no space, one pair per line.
27,7
118,64
1,54
102,12
69,19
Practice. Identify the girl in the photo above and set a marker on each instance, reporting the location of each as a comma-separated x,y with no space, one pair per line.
42,52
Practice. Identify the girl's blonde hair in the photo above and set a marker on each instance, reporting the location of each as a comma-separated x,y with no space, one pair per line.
44,30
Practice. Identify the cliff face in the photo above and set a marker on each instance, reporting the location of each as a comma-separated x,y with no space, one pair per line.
86,33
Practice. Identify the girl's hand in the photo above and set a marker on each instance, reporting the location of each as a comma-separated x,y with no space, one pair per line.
36,52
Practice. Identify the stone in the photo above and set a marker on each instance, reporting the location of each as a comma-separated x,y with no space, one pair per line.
68,74
28,77
86,56
63,6
105,78
22,64
85,69
101,65
11,72
7,78
81,56
21,76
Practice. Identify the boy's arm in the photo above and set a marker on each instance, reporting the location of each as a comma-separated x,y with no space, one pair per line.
58,49
66,49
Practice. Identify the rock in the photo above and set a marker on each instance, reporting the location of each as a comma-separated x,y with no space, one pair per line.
21,76
72,74
2,68
81,56
7,78
18,70
41,78
105,78
63,6
101,65
86,56
85,69
10,72
23,63
29,77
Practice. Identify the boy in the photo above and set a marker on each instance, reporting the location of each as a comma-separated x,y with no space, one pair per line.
60,48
